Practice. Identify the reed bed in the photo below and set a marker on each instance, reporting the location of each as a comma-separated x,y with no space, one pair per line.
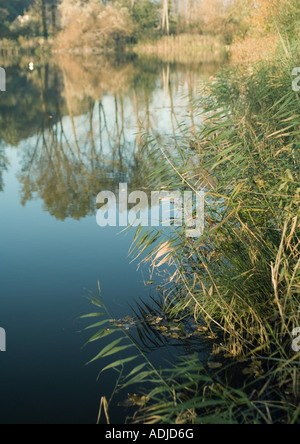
242,277
183,48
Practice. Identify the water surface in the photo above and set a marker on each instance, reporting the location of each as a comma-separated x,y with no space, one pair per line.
69,129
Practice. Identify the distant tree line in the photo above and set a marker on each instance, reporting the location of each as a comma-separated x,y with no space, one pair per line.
147,19
28,17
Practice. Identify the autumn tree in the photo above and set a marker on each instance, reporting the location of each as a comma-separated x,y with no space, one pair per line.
165,17
271,16
93,26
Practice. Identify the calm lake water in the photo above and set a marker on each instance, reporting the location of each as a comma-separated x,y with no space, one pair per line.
68,129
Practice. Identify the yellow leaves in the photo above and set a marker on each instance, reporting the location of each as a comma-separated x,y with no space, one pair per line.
103,407
281,151
202,329
265,13
165,250
125,323
155,320
174,277
162,328
281,133
93,25
136,400
174,336
214,365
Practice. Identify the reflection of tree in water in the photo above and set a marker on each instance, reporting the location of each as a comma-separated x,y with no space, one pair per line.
3,166
84,136
68,166
68,180
67,183
20,106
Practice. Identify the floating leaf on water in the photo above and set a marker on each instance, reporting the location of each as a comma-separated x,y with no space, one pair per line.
175,336
174,328
202,329
127,326
214,365
129,319
136,400
162,328
156,321
125,323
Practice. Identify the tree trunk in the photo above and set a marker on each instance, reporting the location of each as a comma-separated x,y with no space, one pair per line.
44,18
165,17
53,15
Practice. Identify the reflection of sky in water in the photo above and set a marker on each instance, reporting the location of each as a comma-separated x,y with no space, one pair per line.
160,118
49,266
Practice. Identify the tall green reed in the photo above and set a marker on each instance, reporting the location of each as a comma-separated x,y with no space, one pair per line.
242,276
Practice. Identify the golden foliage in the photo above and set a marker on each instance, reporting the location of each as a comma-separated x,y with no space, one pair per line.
212,16
92,27
262,38
264,14
253,49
